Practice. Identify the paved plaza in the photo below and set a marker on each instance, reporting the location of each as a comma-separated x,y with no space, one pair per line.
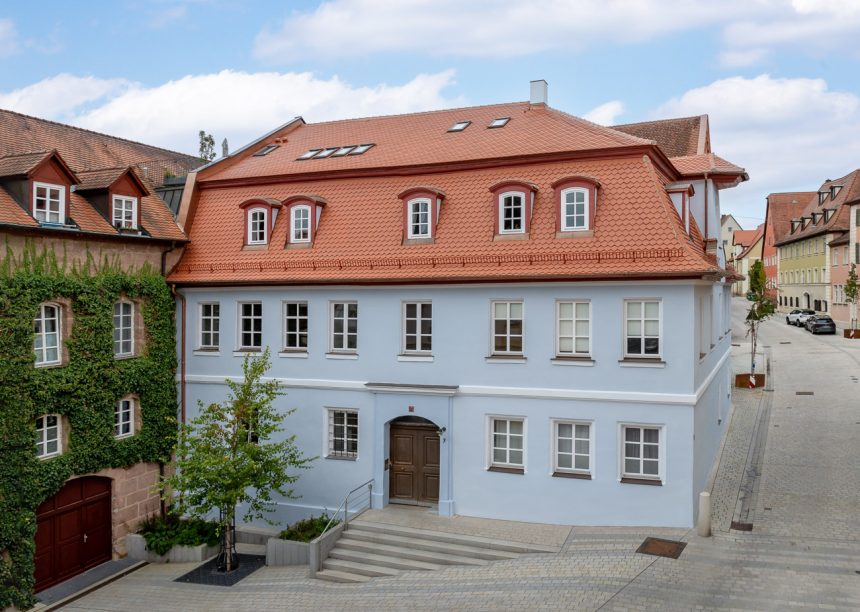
788,466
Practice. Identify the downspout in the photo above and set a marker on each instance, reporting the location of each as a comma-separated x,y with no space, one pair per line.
181,299
706,207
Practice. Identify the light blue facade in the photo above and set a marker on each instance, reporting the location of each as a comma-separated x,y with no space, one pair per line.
686,396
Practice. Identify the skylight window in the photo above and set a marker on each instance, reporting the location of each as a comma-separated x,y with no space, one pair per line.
500,122
309,154
325,153
459,126
265,150
360,149
343,151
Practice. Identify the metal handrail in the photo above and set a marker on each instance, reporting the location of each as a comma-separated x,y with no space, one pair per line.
345,505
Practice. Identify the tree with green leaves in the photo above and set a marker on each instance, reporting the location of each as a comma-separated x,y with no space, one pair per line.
225,456
851,293
207,147
761,308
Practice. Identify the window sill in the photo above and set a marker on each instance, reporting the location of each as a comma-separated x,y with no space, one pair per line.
506,470
419,240
576,475
299,245
642,481
505,359
293,354
570,360
46,457
511,236
633,362
407,357
336,458
575,233
42,366
207,352
123,357
341,355
244,352
262,246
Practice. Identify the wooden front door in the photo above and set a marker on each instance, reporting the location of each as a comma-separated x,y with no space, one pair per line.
414,476
73,531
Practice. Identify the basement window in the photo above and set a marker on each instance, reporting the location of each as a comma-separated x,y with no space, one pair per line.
265,150
459,126
500,122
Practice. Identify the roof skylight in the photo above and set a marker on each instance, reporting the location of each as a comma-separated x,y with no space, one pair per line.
309,154
325,153
500,122
459,126
360,149
335,151
266,150
343,151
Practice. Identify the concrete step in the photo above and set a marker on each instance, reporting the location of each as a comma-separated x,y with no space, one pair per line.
342,577
365,569
404,552
476,552
358,556
452,538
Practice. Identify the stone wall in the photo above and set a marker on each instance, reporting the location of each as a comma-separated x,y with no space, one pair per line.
133,500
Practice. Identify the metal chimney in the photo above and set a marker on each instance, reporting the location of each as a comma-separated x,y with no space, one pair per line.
538,92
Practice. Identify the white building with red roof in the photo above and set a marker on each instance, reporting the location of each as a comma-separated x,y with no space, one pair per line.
500,311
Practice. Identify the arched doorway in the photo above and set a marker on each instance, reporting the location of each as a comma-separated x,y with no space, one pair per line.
806,300
414,461
73,530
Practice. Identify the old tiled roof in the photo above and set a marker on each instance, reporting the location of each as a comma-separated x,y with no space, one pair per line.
679,137
782,208
839,220
694,165
751,237
17,165
99,179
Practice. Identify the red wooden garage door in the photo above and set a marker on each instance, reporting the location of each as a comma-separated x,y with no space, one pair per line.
73,530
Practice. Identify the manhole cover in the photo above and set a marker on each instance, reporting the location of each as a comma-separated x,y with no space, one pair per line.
739,526
804,393
661,548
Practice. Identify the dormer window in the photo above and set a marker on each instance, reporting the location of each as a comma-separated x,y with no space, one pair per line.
512,213
574,209
419,218
260,215
300,223
834,191
257,233
822,195
49,203
304,213
575,198
124,212
421,208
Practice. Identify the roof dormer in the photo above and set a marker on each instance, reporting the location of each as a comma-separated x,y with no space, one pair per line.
513,201
116,193
804,221
41,184
303,213
575,199
834,191
260,215
795,223
822,196
421,208
816,216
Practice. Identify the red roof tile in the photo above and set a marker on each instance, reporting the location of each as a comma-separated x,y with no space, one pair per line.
839,220
782,208
694,165
676,137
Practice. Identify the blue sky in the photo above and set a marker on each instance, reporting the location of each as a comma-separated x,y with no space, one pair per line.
780,79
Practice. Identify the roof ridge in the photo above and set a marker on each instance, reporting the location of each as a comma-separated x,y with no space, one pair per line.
619,135
658,120
417,113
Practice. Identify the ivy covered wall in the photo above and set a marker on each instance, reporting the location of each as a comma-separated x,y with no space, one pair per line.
84,391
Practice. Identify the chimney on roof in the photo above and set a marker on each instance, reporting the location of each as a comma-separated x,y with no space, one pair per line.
225,148
538,92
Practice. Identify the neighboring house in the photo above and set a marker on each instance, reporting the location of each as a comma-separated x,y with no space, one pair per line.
751,250
85,197
728,226
741,241
781,209
805,263
845,251
500,311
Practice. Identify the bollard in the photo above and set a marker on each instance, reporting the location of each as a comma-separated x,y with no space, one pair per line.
703,525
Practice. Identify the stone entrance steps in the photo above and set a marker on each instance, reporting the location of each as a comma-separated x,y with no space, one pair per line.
367,550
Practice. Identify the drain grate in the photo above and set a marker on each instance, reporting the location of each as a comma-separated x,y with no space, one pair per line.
804,392
739,526
661,548
786,342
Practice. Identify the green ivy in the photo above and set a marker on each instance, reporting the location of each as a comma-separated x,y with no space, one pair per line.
162,534
85,390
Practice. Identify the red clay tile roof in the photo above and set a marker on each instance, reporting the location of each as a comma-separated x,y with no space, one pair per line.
782,208
694,165
19,165
99,179
676,137
751,236
839,220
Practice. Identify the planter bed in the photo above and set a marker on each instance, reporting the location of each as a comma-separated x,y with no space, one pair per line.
847,333
286,552
136,546
742,381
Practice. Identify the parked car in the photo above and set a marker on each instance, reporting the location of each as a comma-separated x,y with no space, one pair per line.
820,324
804,316
793,317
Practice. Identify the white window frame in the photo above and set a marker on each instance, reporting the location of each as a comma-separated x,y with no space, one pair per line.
522,197
295,229
40,320
253,230
554,425
122,327
124,205
344,334
508,335
239,328
585,215
42,439
642,335
214,322
419,335
298,317
414,208
661,451
491,442
558,337
127,407
61,213
330,439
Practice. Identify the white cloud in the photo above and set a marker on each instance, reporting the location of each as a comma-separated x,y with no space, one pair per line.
790,134
240,106
742,58
8,38
605,114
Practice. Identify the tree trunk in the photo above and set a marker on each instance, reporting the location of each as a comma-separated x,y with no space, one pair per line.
753,335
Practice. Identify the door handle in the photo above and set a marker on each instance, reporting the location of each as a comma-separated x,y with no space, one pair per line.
85,538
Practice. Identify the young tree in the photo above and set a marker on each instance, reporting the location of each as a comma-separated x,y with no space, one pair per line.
207,147
851,294
761,309
225,456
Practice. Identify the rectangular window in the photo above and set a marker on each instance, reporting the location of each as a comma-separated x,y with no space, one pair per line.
344,326
123,329
507,443
417,327
846,256
835,257
642,328
572,447
507,328
257,226
574,212
641,453
48,432
301,217
250,326
296,326
123,418
49,204
512,213
343,434
124,212
210,325
46,344
574,328
419,219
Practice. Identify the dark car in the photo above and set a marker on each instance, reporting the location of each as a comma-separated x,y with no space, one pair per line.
820,324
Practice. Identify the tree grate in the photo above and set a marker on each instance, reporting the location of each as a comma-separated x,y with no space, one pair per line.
661,548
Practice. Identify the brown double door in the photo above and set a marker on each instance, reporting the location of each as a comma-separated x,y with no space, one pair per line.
414,456
73,531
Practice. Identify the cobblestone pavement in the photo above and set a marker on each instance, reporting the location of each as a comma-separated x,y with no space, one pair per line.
803,552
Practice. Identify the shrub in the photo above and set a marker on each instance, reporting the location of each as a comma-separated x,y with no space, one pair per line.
162,534
307,529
